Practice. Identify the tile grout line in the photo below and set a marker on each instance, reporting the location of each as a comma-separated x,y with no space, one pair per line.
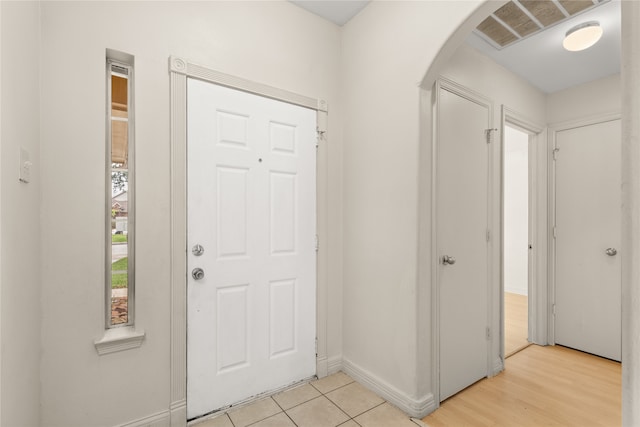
321,394
285,411
265,418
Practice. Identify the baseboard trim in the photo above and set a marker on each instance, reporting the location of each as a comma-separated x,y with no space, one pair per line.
417,408
334,365
160,419
322,368
179,413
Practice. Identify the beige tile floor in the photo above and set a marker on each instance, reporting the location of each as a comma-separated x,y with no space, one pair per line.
336,400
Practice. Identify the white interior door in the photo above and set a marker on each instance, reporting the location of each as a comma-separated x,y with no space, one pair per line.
462,203
251,208
588,209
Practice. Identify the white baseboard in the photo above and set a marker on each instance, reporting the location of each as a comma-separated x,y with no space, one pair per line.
160,419
413,407
322,366
179,413
334,364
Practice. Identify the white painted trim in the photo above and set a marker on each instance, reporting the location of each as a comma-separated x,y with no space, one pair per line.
119,339
585,121
181,66
334,365
178,262
322,366
160,419
414,407
537,295
181,69
178,412
553,131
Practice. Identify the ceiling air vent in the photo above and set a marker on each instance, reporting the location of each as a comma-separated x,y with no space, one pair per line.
520,19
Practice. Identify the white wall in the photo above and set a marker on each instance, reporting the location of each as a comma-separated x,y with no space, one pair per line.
275,43
591,99
516,211
20,215
476,71
386,51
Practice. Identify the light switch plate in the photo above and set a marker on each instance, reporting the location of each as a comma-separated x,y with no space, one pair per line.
25,166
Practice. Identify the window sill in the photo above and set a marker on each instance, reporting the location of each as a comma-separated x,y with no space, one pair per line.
119,339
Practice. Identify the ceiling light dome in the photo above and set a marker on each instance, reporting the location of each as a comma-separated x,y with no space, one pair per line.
582,36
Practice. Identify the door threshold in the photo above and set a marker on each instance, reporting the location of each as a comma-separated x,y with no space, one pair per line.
249,401
517,350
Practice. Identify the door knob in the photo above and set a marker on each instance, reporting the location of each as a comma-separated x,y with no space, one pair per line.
611,251
197,273
446,259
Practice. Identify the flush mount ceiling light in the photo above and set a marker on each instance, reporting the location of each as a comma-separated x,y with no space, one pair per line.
582,36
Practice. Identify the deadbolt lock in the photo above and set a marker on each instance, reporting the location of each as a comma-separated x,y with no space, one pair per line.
197,250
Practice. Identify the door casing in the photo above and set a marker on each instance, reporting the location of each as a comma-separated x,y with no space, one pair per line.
537,263
180,69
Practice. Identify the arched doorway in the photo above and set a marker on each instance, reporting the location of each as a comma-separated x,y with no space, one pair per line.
631,189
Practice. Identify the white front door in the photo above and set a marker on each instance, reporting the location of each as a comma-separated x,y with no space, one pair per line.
588,209
462,203
251,201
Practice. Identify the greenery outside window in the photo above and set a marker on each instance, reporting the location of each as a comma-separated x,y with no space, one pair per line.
120,236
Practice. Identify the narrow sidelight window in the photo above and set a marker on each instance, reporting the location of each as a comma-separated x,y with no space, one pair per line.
120,235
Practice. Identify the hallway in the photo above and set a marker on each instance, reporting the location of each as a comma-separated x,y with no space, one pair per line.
540,386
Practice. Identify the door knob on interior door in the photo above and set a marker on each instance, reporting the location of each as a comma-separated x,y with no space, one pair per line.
611,251
446,259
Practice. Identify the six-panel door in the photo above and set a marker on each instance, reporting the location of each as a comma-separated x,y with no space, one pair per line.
251,208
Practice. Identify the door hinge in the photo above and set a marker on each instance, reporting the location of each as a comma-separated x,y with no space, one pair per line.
488,333
488,235
488,134
555,153
553,309
317,243
555,231
319,137
316,346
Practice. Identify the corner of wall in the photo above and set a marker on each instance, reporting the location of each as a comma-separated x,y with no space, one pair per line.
20,262
414,407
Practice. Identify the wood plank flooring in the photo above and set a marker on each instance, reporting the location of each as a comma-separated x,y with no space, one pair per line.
516,314
541,386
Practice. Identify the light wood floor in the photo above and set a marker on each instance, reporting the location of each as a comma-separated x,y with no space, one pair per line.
515,323
541,386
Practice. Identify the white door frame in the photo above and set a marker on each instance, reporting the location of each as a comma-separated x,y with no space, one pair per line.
537,289
553,131
460,90
179,70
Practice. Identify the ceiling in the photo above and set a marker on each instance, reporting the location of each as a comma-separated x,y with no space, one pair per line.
540,58
535,54
337,11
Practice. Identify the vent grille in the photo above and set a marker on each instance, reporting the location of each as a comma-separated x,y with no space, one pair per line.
520,19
